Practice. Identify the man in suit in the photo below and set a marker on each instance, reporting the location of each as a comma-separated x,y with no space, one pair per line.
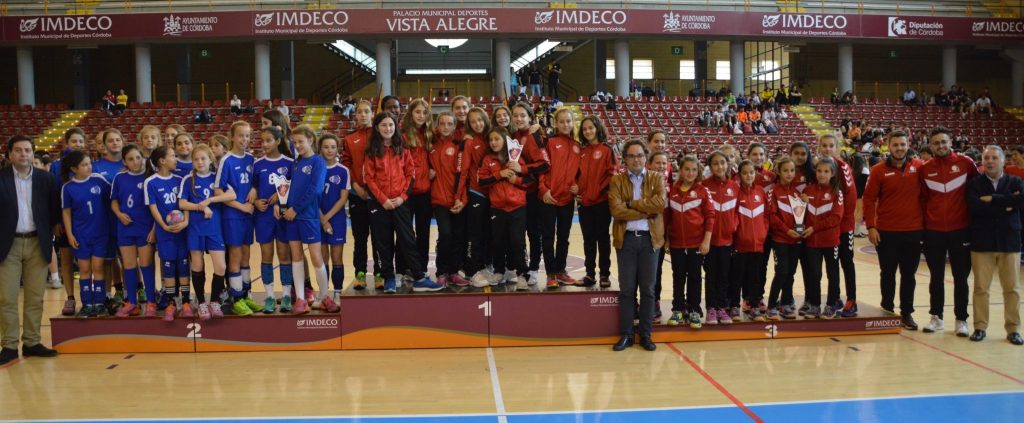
636,199
30,211
994,201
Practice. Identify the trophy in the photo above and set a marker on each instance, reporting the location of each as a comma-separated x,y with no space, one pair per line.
514,149
799,212
283,187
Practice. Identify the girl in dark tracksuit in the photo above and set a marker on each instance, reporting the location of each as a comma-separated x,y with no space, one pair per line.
418,135
506,180
724,196
825,206
597,165
752,229
478,222
558,189
532,139
786,242
689,222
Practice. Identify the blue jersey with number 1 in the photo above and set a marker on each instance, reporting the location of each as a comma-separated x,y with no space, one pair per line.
127,189
163,192
235,172
89,202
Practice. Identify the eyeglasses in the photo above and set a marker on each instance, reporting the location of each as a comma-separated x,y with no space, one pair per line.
636,156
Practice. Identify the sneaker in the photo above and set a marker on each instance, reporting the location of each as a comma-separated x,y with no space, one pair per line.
328,305
84,312
240,308
269,304
510,276
118,298
676,318
150,310
830,312
496,279
286,304
534,278
694,320
480,280
605,282
359,283
762,306
804,308
378,282
390,287
711,318
734,312
69,307
426,285
961,328
657,314
934,325
812,312
215,310
300,307
458,279
589,281
849,309
522,284
162,300
564,279
773,314
252,304
186,310
204,312
552,282
54,282
126,311
789,312
310,296
169,312
908,322
724,316
756,315
99,310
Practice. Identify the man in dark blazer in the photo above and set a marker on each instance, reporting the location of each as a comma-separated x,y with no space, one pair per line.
994,201
29,210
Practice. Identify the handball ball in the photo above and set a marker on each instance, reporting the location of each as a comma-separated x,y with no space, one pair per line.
175,217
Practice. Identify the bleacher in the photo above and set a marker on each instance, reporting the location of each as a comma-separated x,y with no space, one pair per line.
29,120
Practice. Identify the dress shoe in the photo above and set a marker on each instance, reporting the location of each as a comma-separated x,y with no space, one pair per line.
1015,338
625,341
38,350
8,355
647,343
978,335
908,322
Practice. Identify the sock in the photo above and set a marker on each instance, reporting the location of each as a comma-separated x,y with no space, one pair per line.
300,278
217,288
286,280
198,285
85,291
246,280
99,292
169,291
337,276
235,284
186,295
54,275
149,282
322,281
131,283
267,273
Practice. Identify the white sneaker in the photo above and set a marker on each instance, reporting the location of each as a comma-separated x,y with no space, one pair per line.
961,328
510,276
935,325
534,278
480,280
496,278
521,284
54,282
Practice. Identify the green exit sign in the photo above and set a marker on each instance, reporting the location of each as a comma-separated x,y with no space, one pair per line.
204,53
892,54
442,49
677,50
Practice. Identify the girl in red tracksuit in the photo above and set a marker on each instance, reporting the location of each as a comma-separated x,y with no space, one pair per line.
757,153
448,197
418,135
786,242
352,156
689,222
825,204
478,223
752,229
724,197
597,165
801,155
506,180
532,139
558,189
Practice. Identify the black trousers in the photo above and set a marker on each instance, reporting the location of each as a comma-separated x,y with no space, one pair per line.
846,262
765,258
508,239
716,285
902,251
958,245
686,279
389,226
787,256
660,270
597,247
422,212
812,274
451,240
746,279
535,228
636,272
557,224
478,231
359,212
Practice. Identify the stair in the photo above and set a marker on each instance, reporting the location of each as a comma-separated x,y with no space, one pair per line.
811,119
317,117
1017,112
1002,9
790,6
53,134
82,7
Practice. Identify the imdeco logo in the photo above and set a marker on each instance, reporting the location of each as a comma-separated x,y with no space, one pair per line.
317,323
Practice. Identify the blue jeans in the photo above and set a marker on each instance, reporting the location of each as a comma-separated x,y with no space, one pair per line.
637,260
535,90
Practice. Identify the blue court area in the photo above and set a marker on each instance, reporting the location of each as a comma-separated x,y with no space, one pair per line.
987,407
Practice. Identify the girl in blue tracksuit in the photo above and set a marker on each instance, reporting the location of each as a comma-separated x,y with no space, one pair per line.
161,192
276,163
85,200
332,209
135,236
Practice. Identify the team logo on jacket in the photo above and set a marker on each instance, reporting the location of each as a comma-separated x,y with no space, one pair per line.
728,192
757,198
576,149
955,169
335,179
597,155
913,169
95,190
248,168
450,151
693,194
307,169
282,170
828,196
139,186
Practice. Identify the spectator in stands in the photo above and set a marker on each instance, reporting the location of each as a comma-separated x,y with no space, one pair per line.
444,93
983,105
344,107
283,108
109,102
941,98
730,98
910,97
848,98
782,95
835,96
795,95
513,82
122,101
535,81
755,100
925,153
554,75
766,94
236,105
611,106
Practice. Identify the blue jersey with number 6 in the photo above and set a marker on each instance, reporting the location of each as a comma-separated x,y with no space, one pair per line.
128,191
89,202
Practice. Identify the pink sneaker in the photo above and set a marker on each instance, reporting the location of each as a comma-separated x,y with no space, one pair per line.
310,296
215,310
328,305
724,317
458,280
169,312
300,307
128,309
186,311
204,312
150,310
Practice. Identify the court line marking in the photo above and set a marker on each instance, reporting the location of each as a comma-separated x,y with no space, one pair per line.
718,386
499,399
964,359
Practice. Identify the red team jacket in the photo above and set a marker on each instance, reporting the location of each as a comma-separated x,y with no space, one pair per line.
849,192
752,220
825,214
724,196
421,171
475,149
689,215
564,154
353,154
536,156
900,192
780,213
504,195
801,180
597,166
945,192
451,169
390,175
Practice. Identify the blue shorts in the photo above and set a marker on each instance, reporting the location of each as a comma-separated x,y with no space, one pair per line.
169,268
340,235
304,231
131,240
112,250
92,247
172,249
205,243
238,232
269,230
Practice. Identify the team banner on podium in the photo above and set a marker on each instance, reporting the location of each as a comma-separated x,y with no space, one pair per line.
597,23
